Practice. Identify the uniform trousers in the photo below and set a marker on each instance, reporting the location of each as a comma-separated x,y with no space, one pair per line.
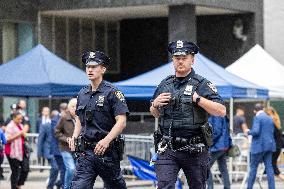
89,166
195,167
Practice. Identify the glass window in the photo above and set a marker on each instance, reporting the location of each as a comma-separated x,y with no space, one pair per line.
60,37
70,37
74,55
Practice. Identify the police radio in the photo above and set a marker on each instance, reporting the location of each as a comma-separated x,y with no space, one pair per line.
89,115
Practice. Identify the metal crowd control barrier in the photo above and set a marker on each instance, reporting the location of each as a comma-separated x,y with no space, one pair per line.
135,145
142,147
237,166
138,146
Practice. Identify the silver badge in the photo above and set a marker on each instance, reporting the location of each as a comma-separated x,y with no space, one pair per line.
188,90
179,44
92,55
100,101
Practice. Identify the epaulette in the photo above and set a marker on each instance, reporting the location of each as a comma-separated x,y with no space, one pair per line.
110,85
199,78
84,89
170,77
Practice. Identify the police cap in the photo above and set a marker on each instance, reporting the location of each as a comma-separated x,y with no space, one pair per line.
95,58
180,47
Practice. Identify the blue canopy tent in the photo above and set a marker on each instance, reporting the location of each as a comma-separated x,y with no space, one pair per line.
142,87
40,73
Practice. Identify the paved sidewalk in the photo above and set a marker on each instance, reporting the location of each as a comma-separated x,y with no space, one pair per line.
37,180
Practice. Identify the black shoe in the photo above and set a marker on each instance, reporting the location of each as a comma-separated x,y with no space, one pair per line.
58,185
2,177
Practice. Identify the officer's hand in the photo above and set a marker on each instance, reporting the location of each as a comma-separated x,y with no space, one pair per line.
194,96
71,143
162,100
102,146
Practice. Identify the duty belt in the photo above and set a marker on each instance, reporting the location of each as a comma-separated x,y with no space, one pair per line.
92,145
81,144
193,145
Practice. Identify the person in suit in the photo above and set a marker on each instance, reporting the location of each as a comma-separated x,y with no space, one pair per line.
44,119
55,148
262,146
44,150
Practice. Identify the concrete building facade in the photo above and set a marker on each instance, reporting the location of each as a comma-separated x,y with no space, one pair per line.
134,33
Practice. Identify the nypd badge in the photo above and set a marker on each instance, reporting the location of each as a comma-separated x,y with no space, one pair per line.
92,55
212,87
100,101
179,44
119,95
188,90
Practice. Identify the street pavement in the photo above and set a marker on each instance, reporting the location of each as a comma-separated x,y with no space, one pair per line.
37,180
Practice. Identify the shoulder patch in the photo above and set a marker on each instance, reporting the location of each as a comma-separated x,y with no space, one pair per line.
212,87
119,95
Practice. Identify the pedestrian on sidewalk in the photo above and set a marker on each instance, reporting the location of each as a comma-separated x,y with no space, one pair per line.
221,143
262,145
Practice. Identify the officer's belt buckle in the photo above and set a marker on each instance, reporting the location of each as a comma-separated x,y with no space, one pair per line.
196,140
90,144
197,148
162,146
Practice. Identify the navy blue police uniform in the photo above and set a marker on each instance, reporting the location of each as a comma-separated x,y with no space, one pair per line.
97,111
180,124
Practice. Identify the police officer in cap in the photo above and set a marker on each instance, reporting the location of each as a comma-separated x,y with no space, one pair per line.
182,103
102,112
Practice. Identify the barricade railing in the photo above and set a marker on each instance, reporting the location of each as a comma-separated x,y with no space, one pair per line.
142,147
135,145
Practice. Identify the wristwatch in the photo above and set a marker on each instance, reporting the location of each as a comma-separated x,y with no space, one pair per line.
197,100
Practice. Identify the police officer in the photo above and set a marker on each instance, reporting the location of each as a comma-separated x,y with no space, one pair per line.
102,112
182,102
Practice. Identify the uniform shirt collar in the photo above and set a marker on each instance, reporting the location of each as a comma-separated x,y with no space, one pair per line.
89,87
186,78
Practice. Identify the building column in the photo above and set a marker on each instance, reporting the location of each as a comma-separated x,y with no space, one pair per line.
8,53
25,43
182,23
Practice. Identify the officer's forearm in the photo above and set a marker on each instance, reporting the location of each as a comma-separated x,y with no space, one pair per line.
155,112
78,128
213,108
117,128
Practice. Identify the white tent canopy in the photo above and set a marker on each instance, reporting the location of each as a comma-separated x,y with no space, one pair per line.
258,67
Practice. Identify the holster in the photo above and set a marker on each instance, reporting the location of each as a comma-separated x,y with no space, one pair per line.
79,144
119,143
157,138
207,133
